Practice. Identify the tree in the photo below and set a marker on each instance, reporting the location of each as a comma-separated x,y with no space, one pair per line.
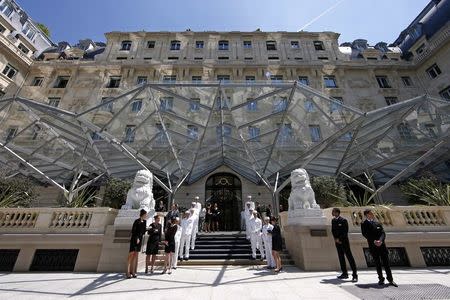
43,28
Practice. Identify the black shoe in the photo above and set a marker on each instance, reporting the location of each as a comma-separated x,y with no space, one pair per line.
343,276
392,283
381,282
186,259
354,278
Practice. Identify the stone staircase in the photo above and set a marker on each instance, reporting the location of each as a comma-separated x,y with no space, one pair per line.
226,248
219,248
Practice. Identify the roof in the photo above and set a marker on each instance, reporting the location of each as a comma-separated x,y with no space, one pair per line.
432,18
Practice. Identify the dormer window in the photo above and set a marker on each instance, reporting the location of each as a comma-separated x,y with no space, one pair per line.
24,49
223,45
199,44
175,45
6,8
61,82
126,46
29,32
271,46
247,44
318,45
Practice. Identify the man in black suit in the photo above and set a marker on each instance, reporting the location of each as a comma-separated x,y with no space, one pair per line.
339,228
375,235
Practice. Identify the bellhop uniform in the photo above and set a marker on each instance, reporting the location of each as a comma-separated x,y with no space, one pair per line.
267,239
339,229
372,231
187,225
197,208
177,245
255,236
249,205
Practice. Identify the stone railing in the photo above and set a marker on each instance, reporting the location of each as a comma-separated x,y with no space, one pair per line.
71,219
13,48
18,219
436,42
56,220
399,218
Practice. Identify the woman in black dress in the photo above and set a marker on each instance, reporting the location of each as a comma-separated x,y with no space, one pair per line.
137,232
154,237
169,241
215,217
277,243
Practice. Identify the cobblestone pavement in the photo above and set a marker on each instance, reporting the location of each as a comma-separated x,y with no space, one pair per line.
227,282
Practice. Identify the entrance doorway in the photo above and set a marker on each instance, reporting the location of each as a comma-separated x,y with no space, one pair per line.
225,189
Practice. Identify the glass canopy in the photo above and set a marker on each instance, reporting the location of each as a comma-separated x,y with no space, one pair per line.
261,130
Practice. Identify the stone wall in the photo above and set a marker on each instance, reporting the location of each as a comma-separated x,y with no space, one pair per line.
413,230
32,229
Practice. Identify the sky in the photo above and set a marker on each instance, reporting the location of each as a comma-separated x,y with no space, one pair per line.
373,20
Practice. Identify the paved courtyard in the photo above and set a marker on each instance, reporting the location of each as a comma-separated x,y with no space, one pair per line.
230,282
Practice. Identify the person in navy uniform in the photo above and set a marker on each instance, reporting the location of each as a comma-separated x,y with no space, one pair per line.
339,229
374,233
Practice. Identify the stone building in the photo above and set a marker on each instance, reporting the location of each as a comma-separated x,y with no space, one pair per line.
213,103
21,42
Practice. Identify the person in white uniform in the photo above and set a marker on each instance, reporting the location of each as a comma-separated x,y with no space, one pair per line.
249,208
177,243
187,225
243,220
255,235
267,240
196,207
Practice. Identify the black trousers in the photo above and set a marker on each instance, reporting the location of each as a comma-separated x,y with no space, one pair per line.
381,258
343,250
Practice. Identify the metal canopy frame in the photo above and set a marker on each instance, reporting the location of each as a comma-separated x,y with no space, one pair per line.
262,130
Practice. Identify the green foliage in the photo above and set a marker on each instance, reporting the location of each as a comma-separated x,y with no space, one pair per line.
43,28
115,192
16,192
352,199
84,198
327,190
427,190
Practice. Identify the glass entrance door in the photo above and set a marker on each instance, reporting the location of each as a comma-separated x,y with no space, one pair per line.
225,189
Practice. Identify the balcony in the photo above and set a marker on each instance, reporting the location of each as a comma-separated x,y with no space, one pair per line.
14,50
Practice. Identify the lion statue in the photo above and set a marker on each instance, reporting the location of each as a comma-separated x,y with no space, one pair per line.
302,195
140,196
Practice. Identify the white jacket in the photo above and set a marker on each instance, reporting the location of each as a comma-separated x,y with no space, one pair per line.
255,225
187,225
178,233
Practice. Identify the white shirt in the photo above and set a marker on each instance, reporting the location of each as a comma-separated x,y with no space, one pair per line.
265,228
178,233
187,225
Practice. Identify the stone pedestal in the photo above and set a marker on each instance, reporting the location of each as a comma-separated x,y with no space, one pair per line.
126,217
116,244
307,237
307,217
